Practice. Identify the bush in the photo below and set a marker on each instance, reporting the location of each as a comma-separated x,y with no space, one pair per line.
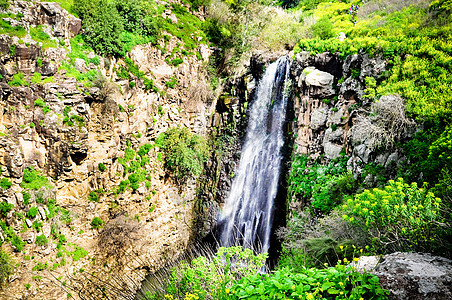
323,186
185,152
33,180
339,282
5,183
17,243
102,25
400,217
6,267
97,223
33,212
93,196
18,80
210,277
323,28
5,208
41,240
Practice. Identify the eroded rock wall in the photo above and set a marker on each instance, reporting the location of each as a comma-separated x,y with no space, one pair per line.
65,129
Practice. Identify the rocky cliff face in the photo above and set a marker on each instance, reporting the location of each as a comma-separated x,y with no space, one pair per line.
79,136
336,112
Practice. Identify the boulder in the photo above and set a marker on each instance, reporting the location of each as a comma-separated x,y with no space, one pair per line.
416,276
318,83
318,118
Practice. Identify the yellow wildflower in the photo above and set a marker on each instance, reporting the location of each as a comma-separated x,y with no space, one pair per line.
227,291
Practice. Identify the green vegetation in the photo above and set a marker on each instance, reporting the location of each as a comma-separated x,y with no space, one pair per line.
5,208
323,186
6,267
97,223
39,35
32,212
6,28
93,196
33,180
18,80
40,266
78,253
185,152
233,273
41,240
400,217
5,183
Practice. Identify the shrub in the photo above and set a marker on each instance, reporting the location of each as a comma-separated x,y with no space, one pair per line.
32,213
17,243
97,223
102,25
102,167
5,183
185,152
399,217
33,180
339,282
93,196
4,4
6,267
41,240
5,207
118,234
210,277
18,80
323,28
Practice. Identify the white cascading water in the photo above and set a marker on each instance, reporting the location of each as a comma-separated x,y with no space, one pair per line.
247,215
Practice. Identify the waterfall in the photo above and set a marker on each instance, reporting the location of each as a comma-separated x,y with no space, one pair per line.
247,215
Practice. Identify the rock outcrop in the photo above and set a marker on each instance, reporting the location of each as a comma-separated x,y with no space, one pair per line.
411,276
330,107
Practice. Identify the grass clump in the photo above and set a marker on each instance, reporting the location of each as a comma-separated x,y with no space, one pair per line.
41,240
32,212
6,267
5,208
